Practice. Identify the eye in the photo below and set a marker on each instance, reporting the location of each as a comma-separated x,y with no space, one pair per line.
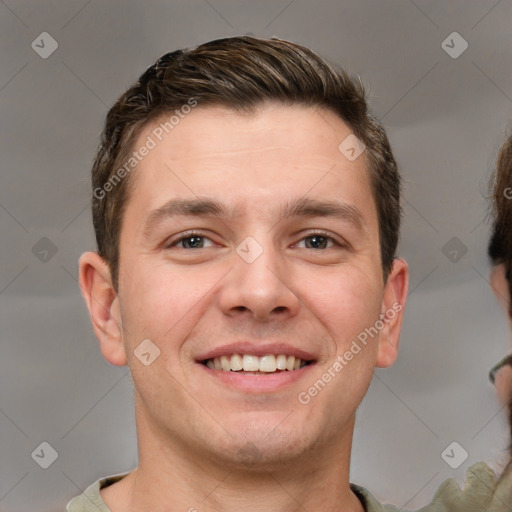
191,241
317,241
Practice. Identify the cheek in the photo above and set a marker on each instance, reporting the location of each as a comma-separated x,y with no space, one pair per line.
163,303
504,385
345,301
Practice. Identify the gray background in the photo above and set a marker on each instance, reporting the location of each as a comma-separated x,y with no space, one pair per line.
445,117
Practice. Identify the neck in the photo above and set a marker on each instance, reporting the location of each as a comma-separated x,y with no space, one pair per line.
173,476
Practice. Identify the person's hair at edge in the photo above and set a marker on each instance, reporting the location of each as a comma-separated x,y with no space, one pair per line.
240,73
500,244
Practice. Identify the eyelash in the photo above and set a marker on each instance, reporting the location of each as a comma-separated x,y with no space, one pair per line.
184,237
309,235
323,234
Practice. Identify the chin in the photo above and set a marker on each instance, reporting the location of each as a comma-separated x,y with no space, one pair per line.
261,449
259,457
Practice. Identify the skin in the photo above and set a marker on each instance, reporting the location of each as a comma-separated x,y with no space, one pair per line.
202,443
500,288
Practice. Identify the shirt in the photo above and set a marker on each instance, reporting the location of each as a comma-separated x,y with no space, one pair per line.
481,493
91,500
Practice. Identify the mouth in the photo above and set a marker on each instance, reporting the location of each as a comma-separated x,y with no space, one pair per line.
249,364
255,367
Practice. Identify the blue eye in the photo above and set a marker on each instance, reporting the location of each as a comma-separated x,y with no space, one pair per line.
317,241
192,241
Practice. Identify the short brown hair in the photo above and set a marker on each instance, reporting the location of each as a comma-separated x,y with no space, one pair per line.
500,244
239,73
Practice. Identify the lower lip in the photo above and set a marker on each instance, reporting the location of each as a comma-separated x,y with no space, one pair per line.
265,383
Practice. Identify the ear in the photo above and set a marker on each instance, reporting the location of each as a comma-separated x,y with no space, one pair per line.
499,285
103,304
393,306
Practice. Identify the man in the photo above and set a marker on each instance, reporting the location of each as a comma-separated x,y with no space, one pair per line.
246,210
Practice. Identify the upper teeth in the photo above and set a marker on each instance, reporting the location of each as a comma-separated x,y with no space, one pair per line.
250,363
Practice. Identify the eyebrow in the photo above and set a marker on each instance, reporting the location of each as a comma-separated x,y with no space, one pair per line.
305,207
301,207
187,207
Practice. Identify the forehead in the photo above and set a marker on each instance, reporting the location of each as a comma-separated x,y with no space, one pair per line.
219,131
275,152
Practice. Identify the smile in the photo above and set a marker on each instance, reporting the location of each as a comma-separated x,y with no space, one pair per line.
251,363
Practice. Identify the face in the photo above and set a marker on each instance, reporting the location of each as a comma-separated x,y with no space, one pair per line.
503,377
248,236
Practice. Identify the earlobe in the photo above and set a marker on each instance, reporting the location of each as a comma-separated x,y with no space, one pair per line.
393,306
103,304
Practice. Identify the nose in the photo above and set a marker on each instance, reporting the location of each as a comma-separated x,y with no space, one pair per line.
261,289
